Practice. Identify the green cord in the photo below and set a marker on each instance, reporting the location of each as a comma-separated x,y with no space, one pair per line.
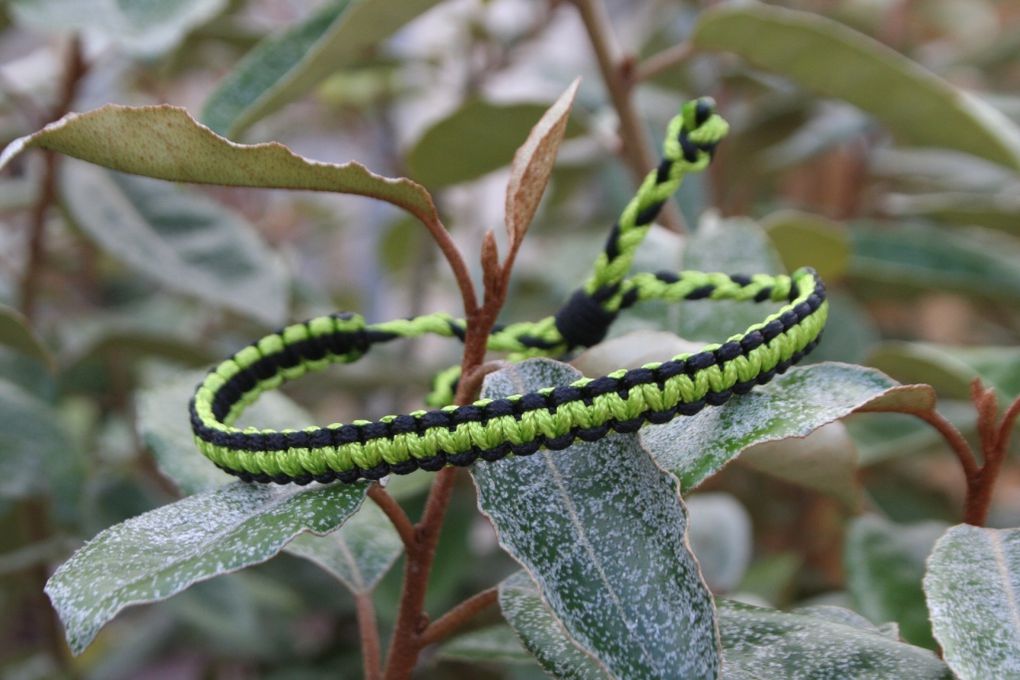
551,418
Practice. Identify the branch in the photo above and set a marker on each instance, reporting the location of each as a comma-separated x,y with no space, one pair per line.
449,622
637,151
456,261
663,61
395,513
74,70
369,633
953,438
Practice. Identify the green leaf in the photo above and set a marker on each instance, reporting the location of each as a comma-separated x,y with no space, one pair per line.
463,146
16,333
358,554
825,461
912,258
543,634
720,537
764,643
493,644
757,643
792,405
182,240
972,584
601,529
283,67
950,370
828,58
732,246
884,567
142,27
33,444
164,551
165,142
806,240
163,425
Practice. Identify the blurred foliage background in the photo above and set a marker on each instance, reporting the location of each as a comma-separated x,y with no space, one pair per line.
900,187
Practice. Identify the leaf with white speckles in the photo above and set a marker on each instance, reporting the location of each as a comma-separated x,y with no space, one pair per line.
972,586
765,643
164,426
601,529
542,634
496,643
178,238
358,554
827,643
884,564
792,405
165,142
164,551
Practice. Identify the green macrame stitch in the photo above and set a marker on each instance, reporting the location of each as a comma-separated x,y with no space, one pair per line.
549,418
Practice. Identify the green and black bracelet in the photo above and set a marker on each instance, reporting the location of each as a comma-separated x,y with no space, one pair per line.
550,418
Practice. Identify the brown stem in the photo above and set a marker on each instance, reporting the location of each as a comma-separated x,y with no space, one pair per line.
663,61
369,633
1008,422
955,440
74,70
449,622
457,265
395,513
637,151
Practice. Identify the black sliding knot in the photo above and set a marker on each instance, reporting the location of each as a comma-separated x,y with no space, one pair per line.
582,321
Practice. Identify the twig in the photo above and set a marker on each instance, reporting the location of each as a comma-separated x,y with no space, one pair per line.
637,152
74,70
395,513
662,61
449,622
369,633
953,438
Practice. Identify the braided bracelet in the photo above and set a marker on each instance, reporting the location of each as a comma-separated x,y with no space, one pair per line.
550,418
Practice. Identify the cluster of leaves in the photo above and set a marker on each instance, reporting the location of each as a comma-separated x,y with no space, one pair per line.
632,557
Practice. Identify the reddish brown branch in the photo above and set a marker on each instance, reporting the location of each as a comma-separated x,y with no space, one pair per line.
637,151
448,623
369,633
401,522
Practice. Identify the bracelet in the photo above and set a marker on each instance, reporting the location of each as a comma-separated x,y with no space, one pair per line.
551,418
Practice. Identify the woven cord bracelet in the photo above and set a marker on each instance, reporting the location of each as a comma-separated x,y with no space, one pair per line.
550,418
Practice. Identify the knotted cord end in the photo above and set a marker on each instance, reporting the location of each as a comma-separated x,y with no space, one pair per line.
583,321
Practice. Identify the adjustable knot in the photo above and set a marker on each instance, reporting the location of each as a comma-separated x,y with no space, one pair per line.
583,321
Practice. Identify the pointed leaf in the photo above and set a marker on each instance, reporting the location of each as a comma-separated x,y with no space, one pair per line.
358,554
16,333
792,405
884,567
142,27
33,444
182,240
474,140
757,643
972,586
833,60
533,164
493,644
165,142
283,67
602,531
764,643
156,555
911,259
